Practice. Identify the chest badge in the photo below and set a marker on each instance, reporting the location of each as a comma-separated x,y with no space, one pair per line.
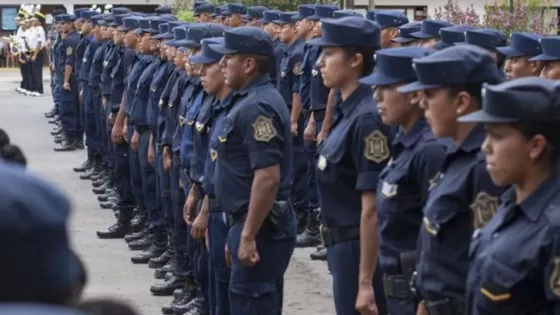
322,163
484,208
160,103
389,190
69,51
213,155
283,74
314,72
105,62
84,60
263,129
376,147
433,181
181,121
199,126
297,69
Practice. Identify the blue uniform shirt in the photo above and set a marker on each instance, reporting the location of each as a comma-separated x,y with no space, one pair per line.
177,114
112,57
314,94
200,136
163,101
462,198
515,259
351,158
279,52
255,134
174,100
87,60
403,190
81,58
58,55
140,107
94,79
157,85
118,75
290,70
188,130
69,47
132,77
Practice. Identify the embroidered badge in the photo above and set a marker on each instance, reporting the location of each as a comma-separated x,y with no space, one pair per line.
389,190
190,122
213,155
297,69
182,121
69,51
376,147
160,103
263,129
84,59
431,228
433,181
105,62
322,163
283,74
199,126
484,208
554,280
314,72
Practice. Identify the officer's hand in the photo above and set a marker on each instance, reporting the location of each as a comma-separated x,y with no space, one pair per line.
365,302
294,128
199,226
66,86
309,133
116,134
190,205
248,254
135,141
111,119
166,160
321,136
125,132
151,155
104,102
227,256
421,309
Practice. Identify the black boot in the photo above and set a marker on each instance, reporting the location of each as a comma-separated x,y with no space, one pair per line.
169,267
107,205
158,246
310,237
96,167
135,236
195,307
301,221
139,222
67,145
189,294
119,229
188,302
51,113
108,195
141,244
319,254
161,260
60,138
86,165
167,288
57,131
100,180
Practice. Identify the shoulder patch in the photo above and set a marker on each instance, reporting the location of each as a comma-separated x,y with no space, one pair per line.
297,69
69,51
376,147
484,208
554,280
263,129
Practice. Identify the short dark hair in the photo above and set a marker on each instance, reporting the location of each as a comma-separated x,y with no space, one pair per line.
474,89
263,63
366,52
549,130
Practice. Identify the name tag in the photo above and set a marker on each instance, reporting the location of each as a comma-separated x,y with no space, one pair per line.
389,190
322,163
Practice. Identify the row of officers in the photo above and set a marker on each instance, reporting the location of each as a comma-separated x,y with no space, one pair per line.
436,173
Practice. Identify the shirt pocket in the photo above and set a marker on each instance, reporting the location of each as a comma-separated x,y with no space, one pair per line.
224,136
496,292
329,163
393,197
436,224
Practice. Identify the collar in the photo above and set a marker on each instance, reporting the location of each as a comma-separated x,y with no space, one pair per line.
227,101
357,96
262,79
411,137
473,141
293,46
538,201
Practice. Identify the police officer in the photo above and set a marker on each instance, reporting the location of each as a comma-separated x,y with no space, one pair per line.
203,13
390,21
429,32
448,36
355,151
462,197
550,57
417,157
38,42
70,115
253,175
404,38
234,14
490,39
514,260
522,47
254,15
268,25
346,13
55,41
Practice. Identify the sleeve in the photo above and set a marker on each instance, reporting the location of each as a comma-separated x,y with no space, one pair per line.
370,151
427,164
551,277
298,71
42,38
70,45
263,134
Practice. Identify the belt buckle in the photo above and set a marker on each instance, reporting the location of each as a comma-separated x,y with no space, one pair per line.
412,283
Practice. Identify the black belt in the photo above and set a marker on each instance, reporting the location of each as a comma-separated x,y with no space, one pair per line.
397,286
214,205
159,147
177,158
335,235
319,114
445,307
236,218
142,129
306,113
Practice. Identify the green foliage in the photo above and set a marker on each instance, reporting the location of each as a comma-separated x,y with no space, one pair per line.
185,15
284,5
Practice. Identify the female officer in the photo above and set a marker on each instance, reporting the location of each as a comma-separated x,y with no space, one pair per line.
462,198
349,163
417,157
515,259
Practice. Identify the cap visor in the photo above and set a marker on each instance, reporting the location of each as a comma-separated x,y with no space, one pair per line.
314,17
403,40
222,49
415,87
170,42
484,117
279,22
510,52
182,49
545,57
321,41
113,24
439,45
123,29
178,43
202,60
380,79
192,44
421,35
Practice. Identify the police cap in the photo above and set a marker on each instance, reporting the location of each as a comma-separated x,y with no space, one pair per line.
394,65
246,40
348,31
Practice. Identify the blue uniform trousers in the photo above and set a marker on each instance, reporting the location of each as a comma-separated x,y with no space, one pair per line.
93,139
106,134
310,152
180,227
299,185
136,175
200,264
55,89
164,192
148,173
219,272
122,174
192,244
99,116
259,289
344,261
69,110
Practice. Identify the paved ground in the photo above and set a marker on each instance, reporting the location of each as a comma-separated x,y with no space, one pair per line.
308,286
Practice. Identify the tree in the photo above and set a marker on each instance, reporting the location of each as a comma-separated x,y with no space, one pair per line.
534,16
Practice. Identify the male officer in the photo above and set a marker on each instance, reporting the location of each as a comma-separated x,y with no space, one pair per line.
490,39
234,13
288,86
550,58
314,97
345,13
390,21
254,15
451,35
522,47
53,41
204,12
70,116
253,175
429,32
404,38
268,25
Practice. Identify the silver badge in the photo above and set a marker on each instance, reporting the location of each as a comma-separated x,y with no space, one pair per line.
283,74
322,163
84,59
314,72
389,190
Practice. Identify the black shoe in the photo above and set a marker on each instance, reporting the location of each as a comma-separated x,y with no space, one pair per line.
51,113
60,138
161,272
138,223
102,191
134,236
84,167
54,121
106,205
57,131
100,181
115,231
145,256
196,307
110,195
167,288
311,236
100,174
140,244
87,174
187,308
167,309
319,254
66,146
160,261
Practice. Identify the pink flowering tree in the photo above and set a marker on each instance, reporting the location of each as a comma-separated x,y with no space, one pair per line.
535,16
